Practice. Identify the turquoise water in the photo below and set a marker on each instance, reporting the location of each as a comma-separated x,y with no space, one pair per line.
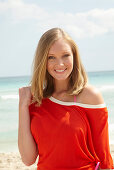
9,99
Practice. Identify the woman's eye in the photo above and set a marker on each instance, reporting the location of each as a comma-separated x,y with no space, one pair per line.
66,55
51,57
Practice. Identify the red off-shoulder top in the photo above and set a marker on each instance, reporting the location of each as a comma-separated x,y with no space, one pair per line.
70,135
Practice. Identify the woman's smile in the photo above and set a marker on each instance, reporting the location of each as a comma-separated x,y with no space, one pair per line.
60,71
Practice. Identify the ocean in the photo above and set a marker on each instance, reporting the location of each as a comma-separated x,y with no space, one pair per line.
9,99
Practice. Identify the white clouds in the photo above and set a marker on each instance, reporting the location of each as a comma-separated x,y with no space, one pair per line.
3,7
81,25
85,24
17,10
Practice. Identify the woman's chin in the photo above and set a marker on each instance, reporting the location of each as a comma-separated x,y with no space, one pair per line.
61,78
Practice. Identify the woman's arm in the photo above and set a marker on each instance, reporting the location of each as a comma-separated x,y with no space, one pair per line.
98,120
27,146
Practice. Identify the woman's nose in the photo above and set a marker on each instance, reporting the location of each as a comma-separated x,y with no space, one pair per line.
60,62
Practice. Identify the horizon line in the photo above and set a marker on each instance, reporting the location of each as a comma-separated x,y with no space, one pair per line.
30,75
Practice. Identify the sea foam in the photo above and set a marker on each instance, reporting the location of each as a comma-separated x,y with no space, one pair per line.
10,96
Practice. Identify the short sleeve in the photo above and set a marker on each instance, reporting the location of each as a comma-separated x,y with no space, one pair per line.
98,121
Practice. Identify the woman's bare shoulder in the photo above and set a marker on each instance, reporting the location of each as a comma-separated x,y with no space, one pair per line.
91,95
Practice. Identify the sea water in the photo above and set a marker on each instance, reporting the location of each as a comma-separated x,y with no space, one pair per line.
9,99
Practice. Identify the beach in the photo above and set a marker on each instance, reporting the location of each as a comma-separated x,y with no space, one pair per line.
12,161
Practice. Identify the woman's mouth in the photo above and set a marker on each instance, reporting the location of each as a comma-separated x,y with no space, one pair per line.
60,71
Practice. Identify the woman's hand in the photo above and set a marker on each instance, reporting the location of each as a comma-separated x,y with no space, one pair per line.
25,96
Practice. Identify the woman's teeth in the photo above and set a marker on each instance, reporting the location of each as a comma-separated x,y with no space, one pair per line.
59,70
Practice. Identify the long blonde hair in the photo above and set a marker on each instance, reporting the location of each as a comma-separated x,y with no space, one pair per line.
42,84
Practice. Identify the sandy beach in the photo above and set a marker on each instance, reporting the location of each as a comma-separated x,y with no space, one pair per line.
12,161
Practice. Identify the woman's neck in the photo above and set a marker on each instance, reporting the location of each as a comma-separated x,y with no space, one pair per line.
60,86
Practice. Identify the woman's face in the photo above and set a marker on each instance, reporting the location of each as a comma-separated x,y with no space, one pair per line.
60,60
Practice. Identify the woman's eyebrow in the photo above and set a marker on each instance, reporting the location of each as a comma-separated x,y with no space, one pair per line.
50,54
62,53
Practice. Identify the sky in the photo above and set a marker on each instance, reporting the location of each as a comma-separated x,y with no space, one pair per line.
22,22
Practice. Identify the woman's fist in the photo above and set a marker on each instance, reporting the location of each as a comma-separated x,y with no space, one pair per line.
25,96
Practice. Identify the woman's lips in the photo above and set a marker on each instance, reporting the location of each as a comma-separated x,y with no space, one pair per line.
60,71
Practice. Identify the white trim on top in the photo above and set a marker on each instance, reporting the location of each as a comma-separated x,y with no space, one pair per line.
76,104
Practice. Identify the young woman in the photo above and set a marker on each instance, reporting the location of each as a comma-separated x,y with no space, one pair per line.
62,118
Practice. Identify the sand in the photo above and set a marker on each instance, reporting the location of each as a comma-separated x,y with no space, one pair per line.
12,161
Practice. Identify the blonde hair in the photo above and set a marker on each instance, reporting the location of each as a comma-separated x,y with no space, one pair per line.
42,84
